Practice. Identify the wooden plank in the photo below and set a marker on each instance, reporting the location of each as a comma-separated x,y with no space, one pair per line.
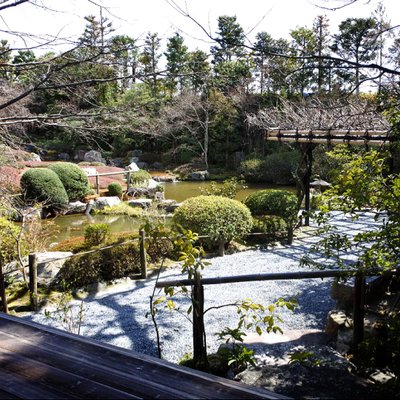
57,379
100,358
132,383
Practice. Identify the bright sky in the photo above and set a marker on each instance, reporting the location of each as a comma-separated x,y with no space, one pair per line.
136,18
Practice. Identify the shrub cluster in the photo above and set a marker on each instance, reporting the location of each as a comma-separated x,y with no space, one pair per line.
44,186
221,218
96,234
75,181
140,177
278,203
277,168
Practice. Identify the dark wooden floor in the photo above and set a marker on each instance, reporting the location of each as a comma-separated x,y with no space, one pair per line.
38,362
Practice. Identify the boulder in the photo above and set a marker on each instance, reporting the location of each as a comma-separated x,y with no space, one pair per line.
94,156
89,170
142,164
33,157
117,162
63,156
199,175
102,202
79,155
76,207
49,264
144,203
132,167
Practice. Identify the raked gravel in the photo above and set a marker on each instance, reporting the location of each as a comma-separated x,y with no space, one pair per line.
118,315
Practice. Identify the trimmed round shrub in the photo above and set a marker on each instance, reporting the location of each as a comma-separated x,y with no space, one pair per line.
42,185
114,189
75,180
220,218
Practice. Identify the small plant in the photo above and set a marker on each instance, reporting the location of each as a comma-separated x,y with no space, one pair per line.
114,189
96,234
65,313
307,358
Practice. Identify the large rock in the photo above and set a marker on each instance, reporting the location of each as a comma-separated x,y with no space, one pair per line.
199,175
94,156
102,202
49,264
143,203
132,167
76,207
89,170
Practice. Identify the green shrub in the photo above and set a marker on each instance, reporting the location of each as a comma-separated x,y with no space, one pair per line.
272,225
254,170
114,189
75,180
9,233
43,185
229,188
280,203
278,168
96,234
220,218
140,178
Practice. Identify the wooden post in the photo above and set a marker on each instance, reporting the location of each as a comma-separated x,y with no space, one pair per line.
97,183
128,181
306,182
358,309
3,289
143,261
33,295
199,347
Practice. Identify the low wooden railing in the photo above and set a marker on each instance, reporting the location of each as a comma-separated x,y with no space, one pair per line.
197,284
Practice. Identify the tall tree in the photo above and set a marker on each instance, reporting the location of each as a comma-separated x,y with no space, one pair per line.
177,59
149,60
356,41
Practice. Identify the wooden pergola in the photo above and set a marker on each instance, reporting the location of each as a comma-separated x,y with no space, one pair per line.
308,139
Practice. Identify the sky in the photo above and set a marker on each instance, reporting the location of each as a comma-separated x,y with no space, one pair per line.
137,17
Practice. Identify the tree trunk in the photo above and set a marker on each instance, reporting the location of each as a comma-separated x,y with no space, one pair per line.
221,248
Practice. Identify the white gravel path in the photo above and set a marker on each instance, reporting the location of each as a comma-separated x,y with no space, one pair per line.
119,317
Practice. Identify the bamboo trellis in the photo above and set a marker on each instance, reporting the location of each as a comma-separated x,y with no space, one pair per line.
330,136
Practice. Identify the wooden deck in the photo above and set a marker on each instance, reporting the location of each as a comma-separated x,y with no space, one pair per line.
38,362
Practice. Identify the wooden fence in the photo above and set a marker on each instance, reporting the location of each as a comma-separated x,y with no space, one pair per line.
97,177
197,284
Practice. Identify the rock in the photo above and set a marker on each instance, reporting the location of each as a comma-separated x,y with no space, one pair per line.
165,178
199,175
134,160
144,203
142,164
63,156
89,170
76,207
94,156
166,204
102,202
171,208
336,321
33,157
49,264
152,184
80,155
132,167
117,162
159,196
157,165
382,377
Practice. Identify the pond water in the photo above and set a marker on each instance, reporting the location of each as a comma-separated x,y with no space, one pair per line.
68,226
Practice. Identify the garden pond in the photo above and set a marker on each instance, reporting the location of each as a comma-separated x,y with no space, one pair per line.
68,226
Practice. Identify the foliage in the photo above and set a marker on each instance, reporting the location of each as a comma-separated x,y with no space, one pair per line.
278,168
122,208
365,183
219,218
272,225
140,178
43,185
281,203
229,188
96,234
9,236
114,189
111,263
75,180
